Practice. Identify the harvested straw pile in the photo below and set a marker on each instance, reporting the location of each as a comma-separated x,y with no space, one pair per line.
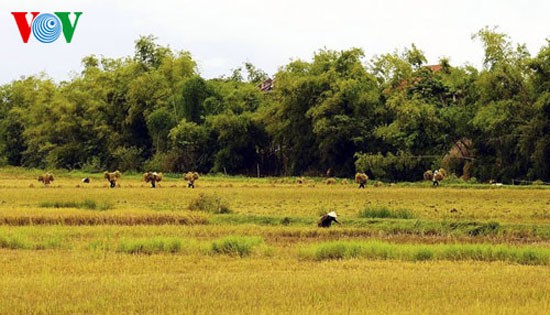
331,181
300,180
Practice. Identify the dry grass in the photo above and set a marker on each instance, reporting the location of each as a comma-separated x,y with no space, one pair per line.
103,218
148,253
76,282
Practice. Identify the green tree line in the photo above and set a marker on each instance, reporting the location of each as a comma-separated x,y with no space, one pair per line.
392,116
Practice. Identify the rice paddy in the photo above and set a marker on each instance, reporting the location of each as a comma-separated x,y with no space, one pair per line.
247,246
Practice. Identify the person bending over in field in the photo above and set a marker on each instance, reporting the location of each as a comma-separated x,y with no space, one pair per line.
327,220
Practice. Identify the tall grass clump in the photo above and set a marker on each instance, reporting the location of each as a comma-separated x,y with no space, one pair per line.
17,241
150,246
210,203
86,204
236,245
529,255
385,213
489,228
14,242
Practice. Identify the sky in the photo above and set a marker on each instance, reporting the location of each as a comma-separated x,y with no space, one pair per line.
222,34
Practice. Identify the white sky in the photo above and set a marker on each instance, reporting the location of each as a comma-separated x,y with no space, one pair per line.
221,34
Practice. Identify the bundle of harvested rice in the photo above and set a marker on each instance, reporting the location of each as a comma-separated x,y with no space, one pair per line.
191,177
428,175
331,181
153,178
46,178
361,178
439,175
112,177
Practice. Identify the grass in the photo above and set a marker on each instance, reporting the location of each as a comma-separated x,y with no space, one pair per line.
101,218
235,245
527,255
240,246
76,282
385,227
86,204
210,203
18,241
384,212
488,246
150,246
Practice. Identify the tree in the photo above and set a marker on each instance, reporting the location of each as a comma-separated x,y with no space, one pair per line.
159,124
191,143
239,139
194,92
502,109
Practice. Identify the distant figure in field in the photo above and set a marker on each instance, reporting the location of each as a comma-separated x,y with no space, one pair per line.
86,180
436,176
191,177
153,178
435,182
327,220
46,179
112,177
361,179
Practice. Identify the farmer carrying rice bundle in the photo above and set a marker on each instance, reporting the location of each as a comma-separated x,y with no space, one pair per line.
361,179
436,176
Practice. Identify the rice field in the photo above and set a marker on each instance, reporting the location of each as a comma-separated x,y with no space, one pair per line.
252,246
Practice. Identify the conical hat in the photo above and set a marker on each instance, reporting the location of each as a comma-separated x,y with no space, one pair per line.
332,214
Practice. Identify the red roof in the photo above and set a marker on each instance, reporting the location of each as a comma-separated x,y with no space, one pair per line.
266,85
435,68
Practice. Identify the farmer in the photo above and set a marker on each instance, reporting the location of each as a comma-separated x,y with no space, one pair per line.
435,182
361,179
327,220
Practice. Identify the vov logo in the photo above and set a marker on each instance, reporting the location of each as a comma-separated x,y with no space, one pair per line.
46,27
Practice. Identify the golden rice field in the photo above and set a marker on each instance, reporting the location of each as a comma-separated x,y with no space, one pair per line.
252,246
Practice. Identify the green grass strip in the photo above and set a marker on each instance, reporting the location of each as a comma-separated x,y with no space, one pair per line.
376,250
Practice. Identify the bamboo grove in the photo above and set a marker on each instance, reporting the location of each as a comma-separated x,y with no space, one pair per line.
392,116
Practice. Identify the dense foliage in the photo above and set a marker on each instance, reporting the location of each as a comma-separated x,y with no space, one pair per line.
393,116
